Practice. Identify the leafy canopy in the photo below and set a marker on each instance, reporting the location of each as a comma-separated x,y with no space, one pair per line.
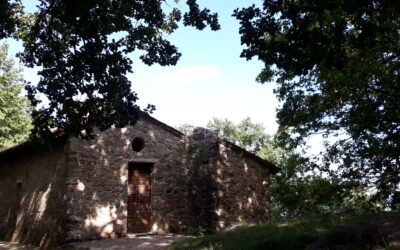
15,122
248,135
336,63
82,48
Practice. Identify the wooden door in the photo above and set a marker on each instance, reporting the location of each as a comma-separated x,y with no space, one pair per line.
139,197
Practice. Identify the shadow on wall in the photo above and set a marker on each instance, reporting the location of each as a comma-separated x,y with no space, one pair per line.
32,188
243,193
202,196
186,187
221,185
97,183
80,192
194,176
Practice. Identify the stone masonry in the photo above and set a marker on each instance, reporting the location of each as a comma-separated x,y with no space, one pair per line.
98,172
78,191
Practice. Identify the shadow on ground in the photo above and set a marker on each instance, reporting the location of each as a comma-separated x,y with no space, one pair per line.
140,242
15,246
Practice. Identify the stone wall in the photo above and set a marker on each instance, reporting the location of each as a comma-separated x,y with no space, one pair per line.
97,182
32,185
79,191
234,188
196,181
243,193
203,154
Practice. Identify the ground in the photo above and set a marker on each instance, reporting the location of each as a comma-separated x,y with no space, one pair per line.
148,242
14,246
336,231
377,231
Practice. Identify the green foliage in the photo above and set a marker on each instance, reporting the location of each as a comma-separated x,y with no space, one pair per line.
360,200
297,234
82,49
9,12
186,128
248,135
312,195
337,67
301,196
197,231
252,137
15,122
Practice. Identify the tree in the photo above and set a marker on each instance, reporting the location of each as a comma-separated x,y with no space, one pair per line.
15,122
9,11
248,135
336,64
82,49
186,128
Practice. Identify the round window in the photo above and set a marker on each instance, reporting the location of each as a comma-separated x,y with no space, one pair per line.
137,144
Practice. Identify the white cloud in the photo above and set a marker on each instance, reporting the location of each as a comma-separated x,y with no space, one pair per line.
188,75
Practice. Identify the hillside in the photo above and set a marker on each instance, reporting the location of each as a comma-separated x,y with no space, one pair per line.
372,231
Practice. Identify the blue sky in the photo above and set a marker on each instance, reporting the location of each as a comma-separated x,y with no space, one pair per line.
210,80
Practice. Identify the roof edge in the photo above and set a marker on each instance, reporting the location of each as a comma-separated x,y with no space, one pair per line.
165,126
31,146
15,148
147,117
272,167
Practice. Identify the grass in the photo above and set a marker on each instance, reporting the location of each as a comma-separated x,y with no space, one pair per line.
290,235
